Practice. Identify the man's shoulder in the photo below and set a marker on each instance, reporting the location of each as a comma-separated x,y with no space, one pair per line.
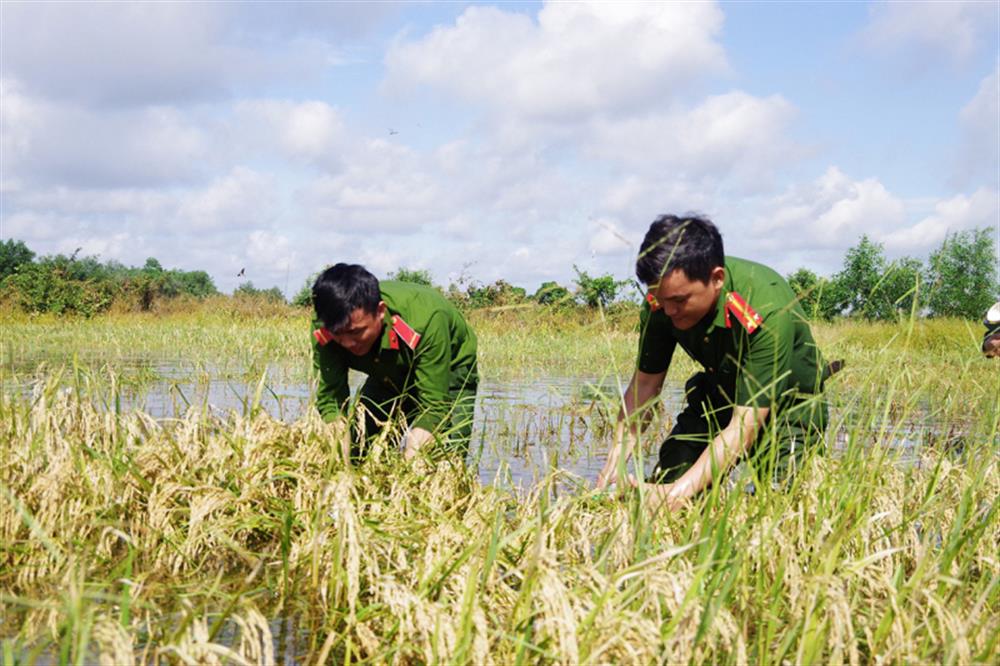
752,272
760,286
416,303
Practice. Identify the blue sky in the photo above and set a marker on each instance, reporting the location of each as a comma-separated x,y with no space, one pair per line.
492,140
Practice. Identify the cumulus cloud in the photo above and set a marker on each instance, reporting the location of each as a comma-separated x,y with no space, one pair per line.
385,187
47,143
979,154
310,132
121,54
242,199
979,210
572,61
833,210
922,32
735,134
608,238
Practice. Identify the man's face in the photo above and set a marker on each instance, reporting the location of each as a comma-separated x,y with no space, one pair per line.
362,330
991,346
686,301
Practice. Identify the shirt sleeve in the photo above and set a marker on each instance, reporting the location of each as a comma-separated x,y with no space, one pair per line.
656,345
765,372
432,373
332,391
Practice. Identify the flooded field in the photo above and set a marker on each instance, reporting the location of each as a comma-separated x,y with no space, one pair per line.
160,507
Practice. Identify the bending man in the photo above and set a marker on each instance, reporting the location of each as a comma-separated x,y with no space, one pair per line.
759,395
991,339
416,348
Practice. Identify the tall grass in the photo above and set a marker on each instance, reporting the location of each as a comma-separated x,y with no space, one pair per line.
248,540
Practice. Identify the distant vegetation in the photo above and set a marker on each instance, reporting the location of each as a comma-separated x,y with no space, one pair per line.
959,279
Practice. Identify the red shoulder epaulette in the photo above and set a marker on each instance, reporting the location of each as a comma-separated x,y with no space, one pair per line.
323,336
747,316
401,330
654,304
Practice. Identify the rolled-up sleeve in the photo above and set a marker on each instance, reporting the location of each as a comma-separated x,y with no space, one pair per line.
332,391
656,344
766,368
432,373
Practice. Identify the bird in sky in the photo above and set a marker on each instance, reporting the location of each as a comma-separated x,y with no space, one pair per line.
242,272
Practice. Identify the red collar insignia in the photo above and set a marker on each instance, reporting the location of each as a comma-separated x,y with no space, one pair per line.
746,315
401,331
323,336
654,304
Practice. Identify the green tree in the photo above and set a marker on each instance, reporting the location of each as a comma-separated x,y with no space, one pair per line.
819,296
598,291
902,286
13,254
860,283
247,290
961,275
498,294
44,287
552,293
196,283
417,276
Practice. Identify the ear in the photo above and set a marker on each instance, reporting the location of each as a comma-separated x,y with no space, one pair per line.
380,310
717,277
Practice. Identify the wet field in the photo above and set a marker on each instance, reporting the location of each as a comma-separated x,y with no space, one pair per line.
177,501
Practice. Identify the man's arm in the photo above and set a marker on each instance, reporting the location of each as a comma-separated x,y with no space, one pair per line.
431,376
416,438
714,462
642,389
332,390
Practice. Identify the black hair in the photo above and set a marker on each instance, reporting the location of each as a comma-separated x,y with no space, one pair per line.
690,243
342,289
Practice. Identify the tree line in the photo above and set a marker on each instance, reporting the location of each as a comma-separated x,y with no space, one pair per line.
959,279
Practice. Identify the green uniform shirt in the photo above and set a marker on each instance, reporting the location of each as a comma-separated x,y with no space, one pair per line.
443,361
773,364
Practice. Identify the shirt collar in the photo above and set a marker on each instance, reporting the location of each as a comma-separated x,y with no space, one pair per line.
719,320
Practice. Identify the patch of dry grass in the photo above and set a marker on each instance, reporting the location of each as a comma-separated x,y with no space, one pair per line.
123,538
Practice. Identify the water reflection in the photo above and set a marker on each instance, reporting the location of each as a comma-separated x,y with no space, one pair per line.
524,428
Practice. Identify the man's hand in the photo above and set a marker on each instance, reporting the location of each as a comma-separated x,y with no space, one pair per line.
991,346
659,496
643,388
416,438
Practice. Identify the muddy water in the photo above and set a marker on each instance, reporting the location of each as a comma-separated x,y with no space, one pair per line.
523,427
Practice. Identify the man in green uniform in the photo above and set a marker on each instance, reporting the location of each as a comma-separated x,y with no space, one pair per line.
991,340
759,396
416,348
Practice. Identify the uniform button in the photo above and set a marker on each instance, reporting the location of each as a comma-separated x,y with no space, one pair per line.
705,340
711,369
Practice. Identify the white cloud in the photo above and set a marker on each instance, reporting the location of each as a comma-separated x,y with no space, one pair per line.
735,134
832,211
243,199
608,238
576,60
922,32
961,212
269,249
385,187
310,131
133,54
979,154
49,143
